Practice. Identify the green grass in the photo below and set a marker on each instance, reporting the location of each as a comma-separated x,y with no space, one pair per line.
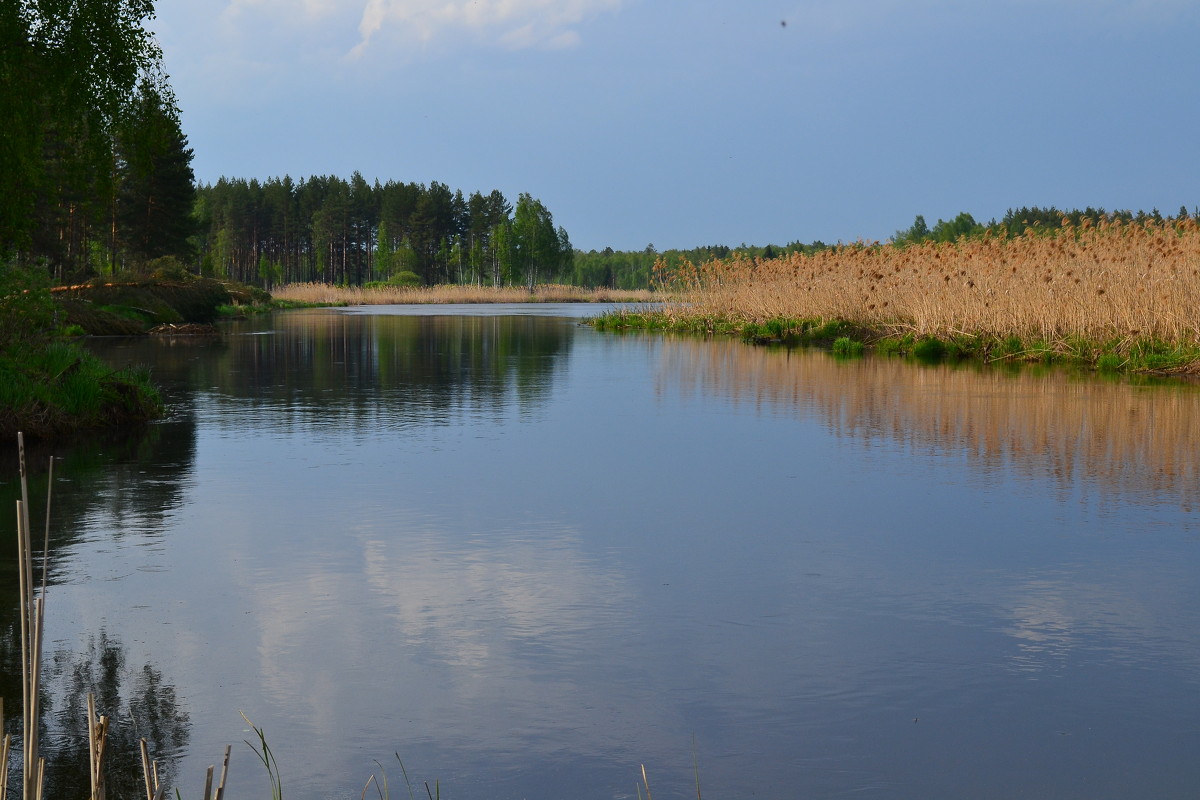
58,387
847,340
845,347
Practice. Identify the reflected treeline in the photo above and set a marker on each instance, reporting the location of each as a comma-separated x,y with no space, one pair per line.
128,481
124,485
1121,436
333,368
139,704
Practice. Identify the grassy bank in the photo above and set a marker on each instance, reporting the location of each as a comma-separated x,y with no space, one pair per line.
325,294
1116,296
49,385
59,388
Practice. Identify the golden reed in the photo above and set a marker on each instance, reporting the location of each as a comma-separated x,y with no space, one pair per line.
1105,283
325,293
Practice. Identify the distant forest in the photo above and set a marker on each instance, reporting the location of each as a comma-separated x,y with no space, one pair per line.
352,232
1024,221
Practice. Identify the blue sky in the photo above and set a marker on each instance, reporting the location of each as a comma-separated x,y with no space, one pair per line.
690,122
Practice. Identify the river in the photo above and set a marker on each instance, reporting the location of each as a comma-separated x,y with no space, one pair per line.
529,558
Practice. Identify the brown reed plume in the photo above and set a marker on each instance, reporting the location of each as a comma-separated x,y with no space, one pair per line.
1111,282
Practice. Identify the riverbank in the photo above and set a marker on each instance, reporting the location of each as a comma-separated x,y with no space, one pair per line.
51,386
58,388
325,294
1112,296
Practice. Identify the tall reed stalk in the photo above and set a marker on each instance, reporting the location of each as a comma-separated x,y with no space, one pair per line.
33,612
1111,282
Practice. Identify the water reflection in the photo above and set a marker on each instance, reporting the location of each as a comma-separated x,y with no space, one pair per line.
1116,436
530,557
107,488
322,369
140,703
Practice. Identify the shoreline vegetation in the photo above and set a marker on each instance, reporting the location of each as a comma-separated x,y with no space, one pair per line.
1113,295
50,387
324,294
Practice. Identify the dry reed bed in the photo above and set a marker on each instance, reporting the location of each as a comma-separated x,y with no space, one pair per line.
1102,283
1111,437
324,293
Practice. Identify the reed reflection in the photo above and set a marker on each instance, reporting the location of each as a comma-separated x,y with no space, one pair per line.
1136,440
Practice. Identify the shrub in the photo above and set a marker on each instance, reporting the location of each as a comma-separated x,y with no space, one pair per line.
405,278
930,348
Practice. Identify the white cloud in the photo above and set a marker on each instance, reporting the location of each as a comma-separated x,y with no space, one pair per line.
510,23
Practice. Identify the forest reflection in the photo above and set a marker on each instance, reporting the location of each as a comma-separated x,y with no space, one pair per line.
140,700
323,368
1124,436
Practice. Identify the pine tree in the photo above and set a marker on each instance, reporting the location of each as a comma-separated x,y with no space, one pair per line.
155,191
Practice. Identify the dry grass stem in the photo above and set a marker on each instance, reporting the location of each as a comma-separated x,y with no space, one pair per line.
97,745
5,749
32,619
1102,282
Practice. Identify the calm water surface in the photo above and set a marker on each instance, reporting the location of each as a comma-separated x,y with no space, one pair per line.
529,557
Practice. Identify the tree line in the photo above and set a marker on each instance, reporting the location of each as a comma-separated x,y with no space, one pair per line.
638,269
352,232
1025,220
95,172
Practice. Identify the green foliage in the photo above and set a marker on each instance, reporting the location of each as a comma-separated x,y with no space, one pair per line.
155,187
963,225
845,347
1009,347
67,71
263,751
894,345
169,268
404,278
27,311
929,349
351,233
536,244
56,387
828,331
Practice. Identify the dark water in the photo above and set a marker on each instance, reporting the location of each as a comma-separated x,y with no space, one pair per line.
529,558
